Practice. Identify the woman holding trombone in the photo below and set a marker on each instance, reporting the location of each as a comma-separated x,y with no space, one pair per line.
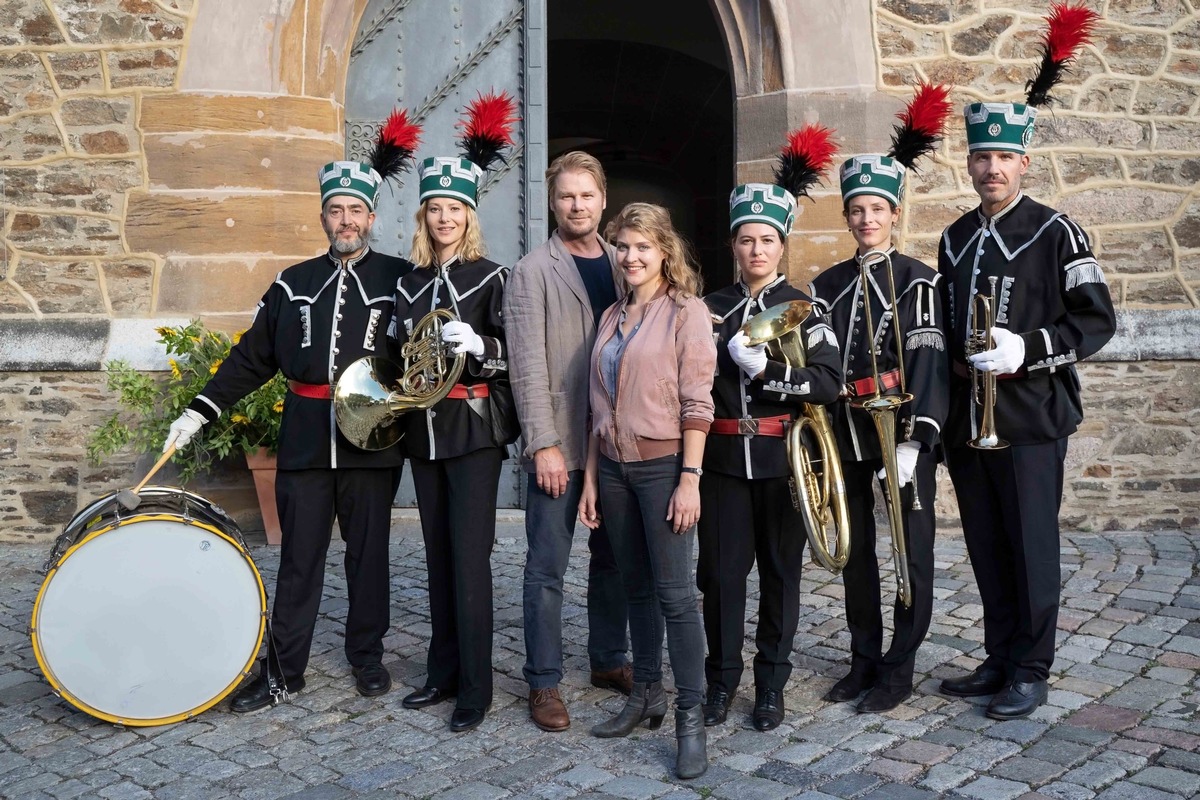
876,316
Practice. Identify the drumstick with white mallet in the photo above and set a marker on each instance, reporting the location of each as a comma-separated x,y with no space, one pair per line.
129,498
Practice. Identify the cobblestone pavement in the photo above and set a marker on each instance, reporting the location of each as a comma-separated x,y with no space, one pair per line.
1121,721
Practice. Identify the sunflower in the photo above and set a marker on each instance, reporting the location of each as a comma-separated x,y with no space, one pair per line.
239,419
215,366
278,407
175,372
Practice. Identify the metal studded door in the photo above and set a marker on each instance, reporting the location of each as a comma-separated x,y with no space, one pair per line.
432,57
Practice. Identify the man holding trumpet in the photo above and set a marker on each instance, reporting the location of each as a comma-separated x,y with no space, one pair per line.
1025,300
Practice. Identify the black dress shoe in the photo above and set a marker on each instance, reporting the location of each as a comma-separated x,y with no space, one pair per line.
262,692
372,680
985,679
883,698
1018,700
466,719
716,705
768,709
427,696
850,687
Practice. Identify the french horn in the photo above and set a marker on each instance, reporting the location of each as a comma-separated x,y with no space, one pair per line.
818,490
374,392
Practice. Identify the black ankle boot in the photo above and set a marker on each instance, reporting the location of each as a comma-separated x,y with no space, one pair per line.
646,701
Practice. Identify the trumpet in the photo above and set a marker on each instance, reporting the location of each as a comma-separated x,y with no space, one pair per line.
882,409
818,492
373,392
983,383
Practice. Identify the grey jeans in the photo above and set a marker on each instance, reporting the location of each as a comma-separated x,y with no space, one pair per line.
656,564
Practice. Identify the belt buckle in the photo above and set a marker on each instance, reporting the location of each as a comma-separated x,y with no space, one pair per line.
748,426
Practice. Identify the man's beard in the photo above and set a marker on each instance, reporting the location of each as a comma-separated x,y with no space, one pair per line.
344,246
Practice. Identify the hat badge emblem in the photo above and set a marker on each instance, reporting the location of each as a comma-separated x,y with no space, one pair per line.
344,181
756,207
445,181
865,178
994,129
1027,136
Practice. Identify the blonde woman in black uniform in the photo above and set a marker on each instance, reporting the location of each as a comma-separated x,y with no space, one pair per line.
457,446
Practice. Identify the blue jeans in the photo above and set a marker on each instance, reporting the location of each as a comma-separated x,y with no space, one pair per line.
656,566
549,529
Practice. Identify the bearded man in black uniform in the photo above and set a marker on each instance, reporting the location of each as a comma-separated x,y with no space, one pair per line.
317,318
1051,309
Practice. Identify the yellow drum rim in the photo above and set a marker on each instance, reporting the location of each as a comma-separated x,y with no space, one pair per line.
138,722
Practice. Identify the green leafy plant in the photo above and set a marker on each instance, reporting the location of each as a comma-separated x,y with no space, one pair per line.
151,403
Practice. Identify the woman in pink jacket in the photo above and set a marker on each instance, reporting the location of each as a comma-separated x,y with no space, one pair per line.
651,403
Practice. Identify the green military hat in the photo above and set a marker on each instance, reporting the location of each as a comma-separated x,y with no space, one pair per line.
878,175
352,178
447,176
798,166
999,126
762,202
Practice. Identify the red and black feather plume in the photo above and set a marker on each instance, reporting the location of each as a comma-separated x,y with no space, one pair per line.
808,153
395,145
1070,27
488,128
921,124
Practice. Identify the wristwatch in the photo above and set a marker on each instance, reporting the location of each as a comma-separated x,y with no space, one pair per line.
697,471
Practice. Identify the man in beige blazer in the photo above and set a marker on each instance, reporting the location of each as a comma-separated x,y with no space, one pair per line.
552,302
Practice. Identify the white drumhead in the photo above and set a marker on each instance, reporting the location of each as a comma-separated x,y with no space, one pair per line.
152,619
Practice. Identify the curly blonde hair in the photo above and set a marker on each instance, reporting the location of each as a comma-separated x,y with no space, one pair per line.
654,222
471,248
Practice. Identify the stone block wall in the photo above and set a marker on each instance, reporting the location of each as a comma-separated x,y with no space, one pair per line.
157,160
1119,154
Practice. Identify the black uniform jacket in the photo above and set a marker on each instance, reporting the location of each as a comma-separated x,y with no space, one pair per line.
317,318
839,291
781,389
1050,290
474,291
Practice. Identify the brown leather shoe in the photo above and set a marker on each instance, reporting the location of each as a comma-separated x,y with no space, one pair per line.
548,710
619,679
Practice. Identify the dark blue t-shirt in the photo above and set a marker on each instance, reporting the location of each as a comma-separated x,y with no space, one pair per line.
598,280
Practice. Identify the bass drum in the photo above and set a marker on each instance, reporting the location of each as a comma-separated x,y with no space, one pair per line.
152,616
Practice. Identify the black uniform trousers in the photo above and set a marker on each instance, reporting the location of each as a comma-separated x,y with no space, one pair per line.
308,500
1009,501
457,498
745,520
864,616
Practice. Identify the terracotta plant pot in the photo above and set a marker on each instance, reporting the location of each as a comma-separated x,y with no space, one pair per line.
262,465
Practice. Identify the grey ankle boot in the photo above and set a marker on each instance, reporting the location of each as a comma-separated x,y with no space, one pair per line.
692,761
646,701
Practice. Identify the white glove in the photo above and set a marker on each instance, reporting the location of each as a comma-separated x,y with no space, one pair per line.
1007,356
183,429
906,462
464,336
752,360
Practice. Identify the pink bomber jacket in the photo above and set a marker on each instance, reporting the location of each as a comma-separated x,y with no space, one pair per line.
664,382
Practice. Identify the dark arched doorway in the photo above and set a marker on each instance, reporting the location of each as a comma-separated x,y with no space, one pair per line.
645,87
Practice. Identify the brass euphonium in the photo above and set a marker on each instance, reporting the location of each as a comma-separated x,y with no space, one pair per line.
818,491
373,392
882,409
983,383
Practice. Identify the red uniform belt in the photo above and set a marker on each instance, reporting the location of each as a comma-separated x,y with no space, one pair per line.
751,426
317,391
463,392
964,371
865,386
